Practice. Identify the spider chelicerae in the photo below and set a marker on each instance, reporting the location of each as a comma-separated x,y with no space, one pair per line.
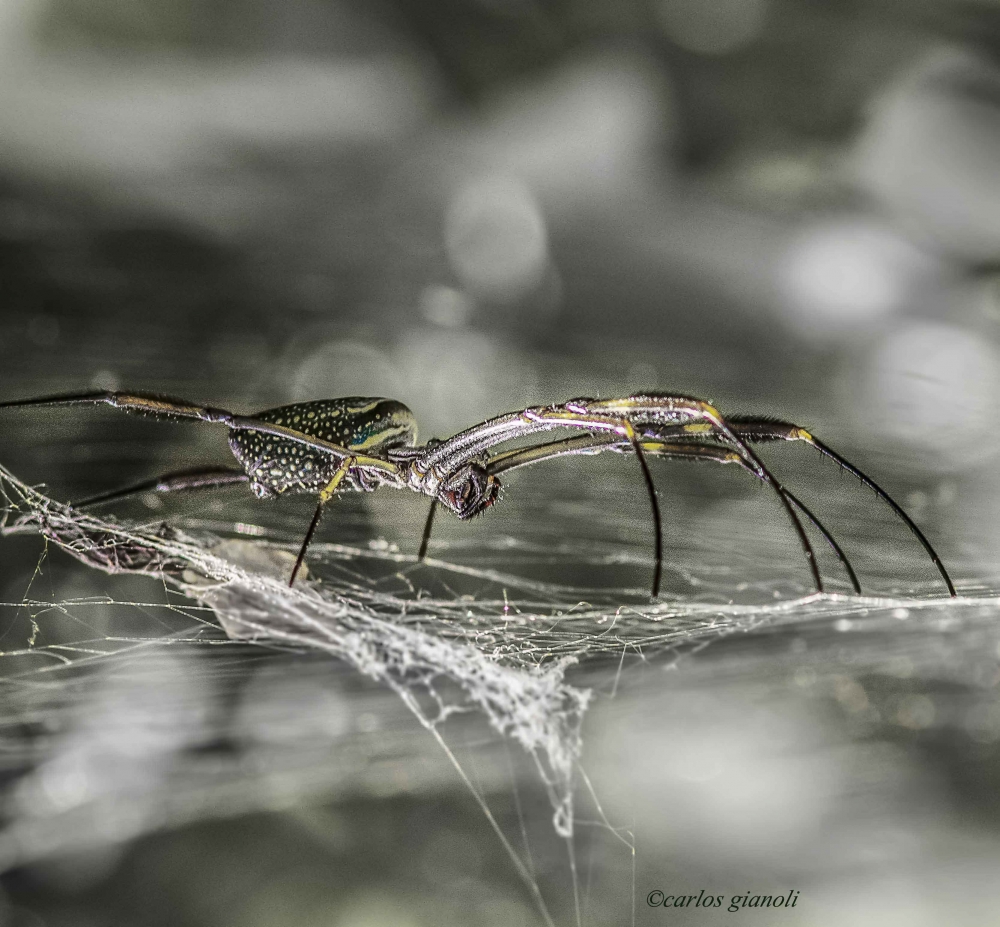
361,443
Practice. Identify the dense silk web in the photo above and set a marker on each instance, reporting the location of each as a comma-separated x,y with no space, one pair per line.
520,653
440,655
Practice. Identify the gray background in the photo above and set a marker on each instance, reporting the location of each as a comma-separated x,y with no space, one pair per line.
789,207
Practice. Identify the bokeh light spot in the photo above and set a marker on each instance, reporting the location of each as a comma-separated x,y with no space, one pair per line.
345,368
932,388
841,276
712,27
496,238
445,306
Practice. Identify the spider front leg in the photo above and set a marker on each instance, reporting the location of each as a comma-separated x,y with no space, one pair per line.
621,416
454,462
589,445
715,454
762,429
476,498
617,416
624,428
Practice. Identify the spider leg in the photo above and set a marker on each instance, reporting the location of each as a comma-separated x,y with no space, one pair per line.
654,504
425,538
171,482
222,476
716,454
524,456
830,539
756,429
147,403
325,496
596,444
180,409
617,415
623,427
581,445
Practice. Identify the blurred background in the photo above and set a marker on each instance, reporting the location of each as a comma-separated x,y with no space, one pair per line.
789,207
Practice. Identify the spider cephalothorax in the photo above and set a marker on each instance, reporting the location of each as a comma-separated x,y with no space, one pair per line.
325,446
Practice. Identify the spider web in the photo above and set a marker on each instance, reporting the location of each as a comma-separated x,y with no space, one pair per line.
446,657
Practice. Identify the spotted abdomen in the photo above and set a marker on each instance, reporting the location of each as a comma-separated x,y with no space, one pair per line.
276,465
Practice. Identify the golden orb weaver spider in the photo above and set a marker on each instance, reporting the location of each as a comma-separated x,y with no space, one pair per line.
362,443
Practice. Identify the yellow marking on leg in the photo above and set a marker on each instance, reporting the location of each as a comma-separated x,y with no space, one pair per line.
605,423
802,435
614,404
331,488
692,451
701,428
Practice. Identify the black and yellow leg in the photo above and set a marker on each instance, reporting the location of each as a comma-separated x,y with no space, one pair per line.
716,454
329,491
752,429
623,427
425,538
616,415
681,450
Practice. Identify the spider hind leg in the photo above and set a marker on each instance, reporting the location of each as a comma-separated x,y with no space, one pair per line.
177,481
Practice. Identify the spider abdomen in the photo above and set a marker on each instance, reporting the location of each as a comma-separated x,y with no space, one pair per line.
276,464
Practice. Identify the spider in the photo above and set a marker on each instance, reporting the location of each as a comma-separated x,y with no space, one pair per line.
325,446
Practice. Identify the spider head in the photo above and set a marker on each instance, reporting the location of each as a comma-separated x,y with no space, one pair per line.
469,491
